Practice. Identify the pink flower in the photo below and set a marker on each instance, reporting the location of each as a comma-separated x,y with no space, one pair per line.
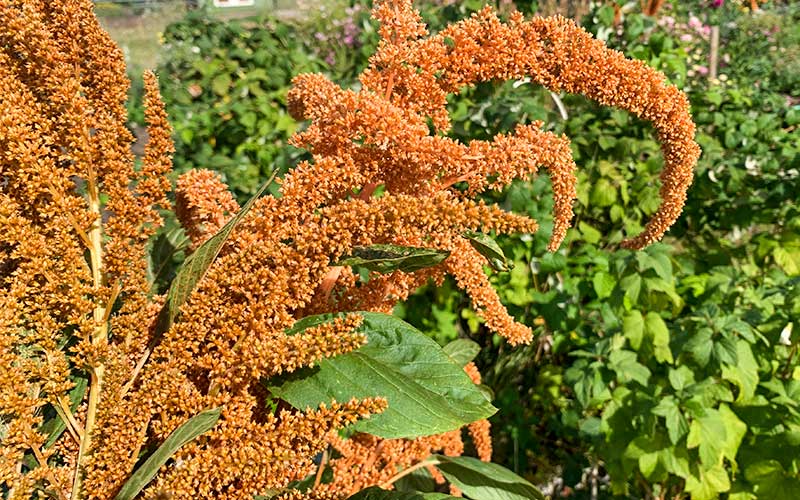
686,38
695,23
717,3
702,70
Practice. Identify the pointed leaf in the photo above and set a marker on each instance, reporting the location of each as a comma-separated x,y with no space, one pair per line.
195,426
486,246
427,392
56,426
196,265
389,258
462,350
486,481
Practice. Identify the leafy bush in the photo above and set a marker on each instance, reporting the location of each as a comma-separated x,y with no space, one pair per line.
225,83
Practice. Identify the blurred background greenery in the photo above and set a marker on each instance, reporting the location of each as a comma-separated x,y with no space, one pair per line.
667,373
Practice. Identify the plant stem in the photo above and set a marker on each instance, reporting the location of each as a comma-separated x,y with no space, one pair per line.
98,337
50,477
409,470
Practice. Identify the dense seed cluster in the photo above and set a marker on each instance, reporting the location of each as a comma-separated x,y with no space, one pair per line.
76,216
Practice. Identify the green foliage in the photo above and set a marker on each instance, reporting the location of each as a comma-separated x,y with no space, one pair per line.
225,86
427,392
486,481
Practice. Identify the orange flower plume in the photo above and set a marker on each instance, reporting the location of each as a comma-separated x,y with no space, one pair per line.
76,305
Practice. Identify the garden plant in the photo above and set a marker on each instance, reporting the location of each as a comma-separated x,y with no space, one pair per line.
268,364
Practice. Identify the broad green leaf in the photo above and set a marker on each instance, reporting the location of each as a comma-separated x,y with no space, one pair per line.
677,426
633,328
590,234
427,392
744,373
389,258
627,368
725,350
375,493
708,484
486,246
603,284
772,481
735,430
196,265
645,451
660,334
788,259
659,262
676,461
632,286
195,426
700,345
680,378
708,433
486,481
419,480
462,351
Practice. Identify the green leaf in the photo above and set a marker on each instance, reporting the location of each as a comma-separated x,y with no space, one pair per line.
590,234
56,426
627,368
427,392
604,193
633,328
389,258
788,259
660,333
772,481
708,484
462,351
196,265
632,286
195,426
735,430
709,434
677,426
486,246
417,481
744,373
221,83
375,493
603,284
486,481
681,377
726,351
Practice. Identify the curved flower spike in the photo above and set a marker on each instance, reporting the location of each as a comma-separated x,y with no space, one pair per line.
561,56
